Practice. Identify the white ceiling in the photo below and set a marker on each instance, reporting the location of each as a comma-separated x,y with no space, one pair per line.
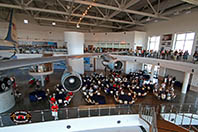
116,15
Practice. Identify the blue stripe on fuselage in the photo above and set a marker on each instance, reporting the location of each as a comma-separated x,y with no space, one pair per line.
7,47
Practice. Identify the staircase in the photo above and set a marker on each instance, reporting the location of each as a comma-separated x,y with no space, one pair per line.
166,126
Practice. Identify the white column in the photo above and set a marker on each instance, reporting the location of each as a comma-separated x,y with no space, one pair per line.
185,83
162,71
42,81
75,45
152,72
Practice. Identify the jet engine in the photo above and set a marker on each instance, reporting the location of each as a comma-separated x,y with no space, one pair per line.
71,82
111,63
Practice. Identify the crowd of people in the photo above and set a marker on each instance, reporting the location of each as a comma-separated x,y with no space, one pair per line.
124,88
177,55
166,90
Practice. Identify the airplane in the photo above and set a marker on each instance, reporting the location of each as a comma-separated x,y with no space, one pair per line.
8,46
71,81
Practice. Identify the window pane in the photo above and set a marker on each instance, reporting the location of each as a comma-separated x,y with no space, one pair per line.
190,36
153,38
188,46
181,36
152,45
179,45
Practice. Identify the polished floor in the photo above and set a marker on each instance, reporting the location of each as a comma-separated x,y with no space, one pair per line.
23,103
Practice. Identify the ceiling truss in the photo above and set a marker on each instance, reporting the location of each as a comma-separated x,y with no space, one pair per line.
111,14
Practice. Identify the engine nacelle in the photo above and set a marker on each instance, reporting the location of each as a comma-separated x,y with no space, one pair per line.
114,65
71,82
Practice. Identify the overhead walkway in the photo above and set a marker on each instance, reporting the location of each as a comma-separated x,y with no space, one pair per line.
176,65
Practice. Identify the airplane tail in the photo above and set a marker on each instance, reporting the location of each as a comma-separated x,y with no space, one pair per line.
12,34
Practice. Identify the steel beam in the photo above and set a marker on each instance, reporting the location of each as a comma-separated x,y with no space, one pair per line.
119,9
65,13
194,2
73,22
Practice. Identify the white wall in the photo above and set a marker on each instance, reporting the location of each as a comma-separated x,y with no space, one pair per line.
34,32
99,65
132,67
178,74
134,38
140,39
178,24
162,71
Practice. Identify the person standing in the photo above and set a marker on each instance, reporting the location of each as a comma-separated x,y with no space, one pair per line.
195,57
185,56
55,109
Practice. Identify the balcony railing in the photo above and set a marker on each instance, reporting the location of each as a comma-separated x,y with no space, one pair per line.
148,114
180,114
74,112
186,114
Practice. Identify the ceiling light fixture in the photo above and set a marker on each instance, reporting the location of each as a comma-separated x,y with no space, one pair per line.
84,14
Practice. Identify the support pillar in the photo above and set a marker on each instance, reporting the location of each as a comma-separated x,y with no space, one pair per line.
75,46
152,71
162,72
42,81
185,83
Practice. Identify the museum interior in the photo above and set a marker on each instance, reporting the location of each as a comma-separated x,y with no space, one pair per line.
99,65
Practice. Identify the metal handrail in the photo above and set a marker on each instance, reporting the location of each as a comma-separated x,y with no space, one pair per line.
73,112
179,112
148,114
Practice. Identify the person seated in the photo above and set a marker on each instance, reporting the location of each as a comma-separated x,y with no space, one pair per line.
32,81
70,94
120,101
47,93
125,102
67,100
163,96
17,94
53,99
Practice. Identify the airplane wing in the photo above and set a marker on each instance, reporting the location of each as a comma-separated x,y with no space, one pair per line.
11,64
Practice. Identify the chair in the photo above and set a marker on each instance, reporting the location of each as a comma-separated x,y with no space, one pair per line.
91,94
120,101
85,93
131,102
122,93
60,101
117,93
84,88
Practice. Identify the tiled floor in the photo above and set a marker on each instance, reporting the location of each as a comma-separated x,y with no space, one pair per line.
22,78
